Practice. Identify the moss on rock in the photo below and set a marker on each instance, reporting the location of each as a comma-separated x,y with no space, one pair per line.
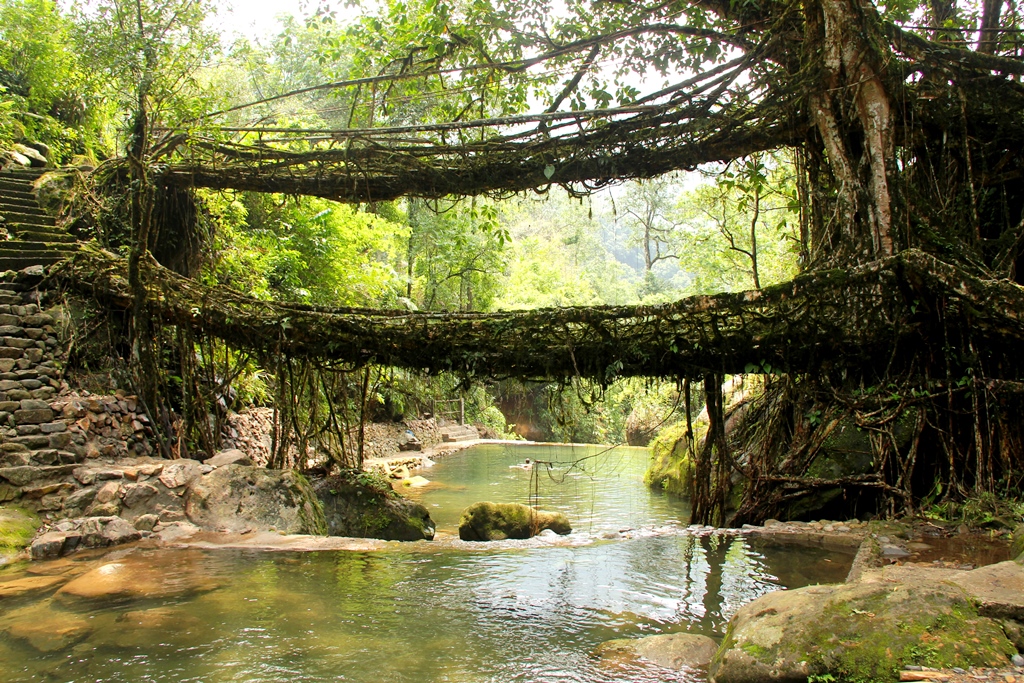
363,505
486,521
857,632
1017,546
671,469
17,527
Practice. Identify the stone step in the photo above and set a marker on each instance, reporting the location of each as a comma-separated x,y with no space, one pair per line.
15,213
29,219
36,245
456,433
10,188
21,262
10,202
19,248
38,235
29,174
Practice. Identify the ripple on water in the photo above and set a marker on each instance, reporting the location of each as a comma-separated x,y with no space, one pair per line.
418,613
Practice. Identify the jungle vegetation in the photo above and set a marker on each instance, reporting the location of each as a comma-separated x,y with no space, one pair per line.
626,201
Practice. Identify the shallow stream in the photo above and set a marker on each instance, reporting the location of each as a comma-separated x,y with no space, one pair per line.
418,612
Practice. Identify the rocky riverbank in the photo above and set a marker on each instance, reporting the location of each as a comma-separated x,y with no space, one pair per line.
895,619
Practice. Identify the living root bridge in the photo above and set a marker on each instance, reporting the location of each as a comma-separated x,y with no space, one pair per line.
872,317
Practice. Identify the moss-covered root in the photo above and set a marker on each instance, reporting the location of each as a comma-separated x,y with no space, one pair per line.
17,527
860,633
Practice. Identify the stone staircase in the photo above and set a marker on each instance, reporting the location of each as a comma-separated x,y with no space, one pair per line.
34,238
453,433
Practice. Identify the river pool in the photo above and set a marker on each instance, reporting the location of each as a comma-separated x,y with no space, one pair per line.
421,612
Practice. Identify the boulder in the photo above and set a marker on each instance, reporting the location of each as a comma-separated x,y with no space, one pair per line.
996,589
44,628
81,499
497,521
861,631
363,505
231,456
180,473
50,546
88,532
675,651
138,494
27,584
146,522
238,498
9,158
36,159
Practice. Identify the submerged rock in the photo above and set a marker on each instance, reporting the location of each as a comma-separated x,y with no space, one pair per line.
44,628
861,631
152,577
670,650
238,498
364,505
487,521
27,584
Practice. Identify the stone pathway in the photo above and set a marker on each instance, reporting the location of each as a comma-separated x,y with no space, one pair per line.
33,236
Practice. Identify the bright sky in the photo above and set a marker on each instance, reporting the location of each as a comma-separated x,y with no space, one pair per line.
258,18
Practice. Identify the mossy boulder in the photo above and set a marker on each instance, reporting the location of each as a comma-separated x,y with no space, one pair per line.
363,505
1017,545
497,521
671,469
17,527
238,498
857,632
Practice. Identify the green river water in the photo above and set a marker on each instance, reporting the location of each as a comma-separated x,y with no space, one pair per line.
447,611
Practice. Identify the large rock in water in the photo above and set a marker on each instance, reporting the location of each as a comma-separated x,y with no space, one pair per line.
364,505
497,521
861,631
238,498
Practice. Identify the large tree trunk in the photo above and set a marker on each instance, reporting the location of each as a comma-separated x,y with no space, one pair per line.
858,139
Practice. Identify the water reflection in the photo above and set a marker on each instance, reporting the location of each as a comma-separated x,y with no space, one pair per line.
600,489
514,615
416,613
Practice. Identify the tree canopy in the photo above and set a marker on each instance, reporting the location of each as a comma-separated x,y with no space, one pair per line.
905,200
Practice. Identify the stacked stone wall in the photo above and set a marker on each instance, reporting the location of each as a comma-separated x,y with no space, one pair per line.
47,432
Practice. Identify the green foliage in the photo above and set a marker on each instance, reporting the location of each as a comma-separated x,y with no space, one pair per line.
314,251
979,510
454,255
149,50
717,216
46,93
558,258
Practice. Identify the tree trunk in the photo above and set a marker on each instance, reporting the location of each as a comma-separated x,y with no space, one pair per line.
852,72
